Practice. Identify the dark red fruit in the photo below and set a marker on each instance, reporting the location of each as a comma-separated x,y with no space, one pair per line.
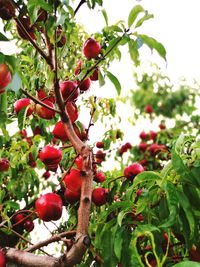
95,75
85,85
27,25
7,11
91,48
81,131
79,162
162,126
37,131
143,146
100,156
194,254
148,109
72,111
41,94
2,259
23,133
99,196
23,103
46,175
44,112
143,135
4,165
143,162
132,170
100,144
71,196
139,192
5,77
29,225
49,207
139,217
61,37
50,156
153,135
19,218
67,87
42,15
73,180
100,177
78,67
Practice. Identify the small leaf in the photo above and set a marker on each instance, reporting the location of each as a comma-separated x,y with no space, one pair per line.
115,81
3,37
133,51
187,264
105,16
133,14
22,117
153,44
146,17
147,176
101,79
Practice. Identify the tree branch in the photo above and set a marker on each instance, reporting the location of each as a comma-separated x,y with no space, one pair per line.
78,7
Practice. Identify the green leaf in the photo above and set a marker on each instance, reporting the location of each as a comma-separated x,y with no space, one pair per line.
133,14
133,51
115,81
147,176
153,44
112,44
22,117
187,264
118,241
172,202
3,37
146,17
105,16
101,79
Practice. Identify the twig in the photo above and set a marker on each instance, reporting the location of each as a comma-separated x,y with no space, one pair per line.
79,5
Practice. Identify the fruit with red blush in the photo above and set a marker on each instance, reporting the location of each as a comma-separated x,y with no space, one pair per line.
29,225
44,112
2,259
49,207
5,77
100,177
100,156
143,135
71,196
79,162
25,21
4,165
99,196
78,67
24,103
69,90
95,75
153,135
162,126
61,37
72,111
7,10
91,48
100,144
143,146
50,156
132,170
46,175
85,85
73,180
148,109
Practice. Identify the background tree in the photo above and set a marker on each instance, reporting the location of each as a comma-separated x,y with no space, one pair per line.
137,217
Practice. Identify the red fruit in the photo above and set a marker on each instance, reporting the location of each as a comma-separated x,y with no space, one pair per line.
4,165
23,103
143,146
91,48
166,237
99,196
72,111
71,196
100,145
139,192
29,141
100,177
37,131
23,133
67,87
139,217
143,135
27,25
49,207
43,112
2,259
59,132
153,263
46,175
153,135
33,164
19,218
148,109
60,37
41,94
194,254
162,126
100,156
154,149
132,170
85,85
5,77
95,75
78,67
42,15
79,162
143,162
7,10
50,156
29,225
128,145
73,180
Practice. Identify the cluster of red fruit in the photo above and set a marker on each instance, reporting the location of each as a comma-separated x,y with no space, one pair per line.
21,221
124,148
149,146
